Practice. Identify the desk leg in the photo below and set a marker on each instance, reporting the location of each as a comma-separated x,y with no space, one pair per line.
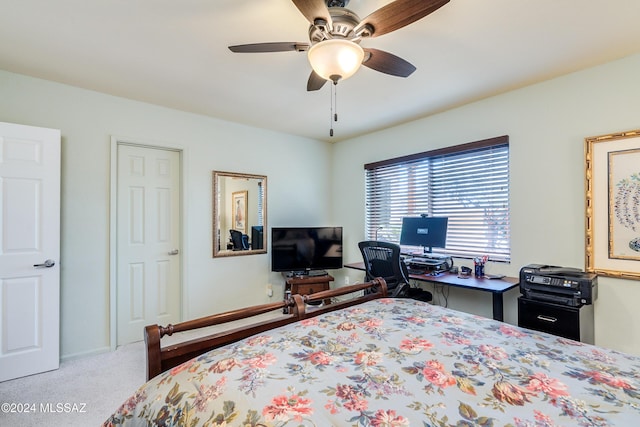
498,311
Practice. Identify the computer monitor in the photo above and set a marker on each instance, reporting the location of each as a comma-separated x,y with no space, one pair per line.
257,237
426,231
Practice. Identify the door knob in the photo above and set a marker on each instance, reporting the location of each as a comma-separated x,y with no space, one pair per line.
174,252
47,264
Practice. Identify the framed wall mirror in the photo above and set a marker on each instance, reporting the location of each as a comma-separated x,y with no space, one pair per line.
239,214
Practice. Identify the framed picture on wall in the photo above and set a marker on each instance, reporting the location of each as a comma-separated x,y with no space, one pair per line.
239,206
612,164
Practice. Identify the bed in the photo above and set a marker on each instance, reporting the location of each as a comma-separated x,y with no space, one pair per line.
391,362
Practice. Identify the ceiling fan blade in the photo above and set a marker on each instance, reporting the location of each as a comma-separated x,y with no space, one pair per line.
269,47
396,15
315,82
387,63
314,9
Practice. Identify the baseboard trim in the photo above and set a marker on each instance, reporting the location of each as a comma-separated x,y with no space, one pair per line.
84,354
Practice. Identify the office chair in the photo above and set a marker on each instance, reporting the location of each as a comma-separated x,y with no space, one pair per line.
382,259
239,240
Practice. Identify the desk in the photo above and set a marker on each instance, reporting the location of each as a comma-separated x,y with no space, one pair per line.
497,287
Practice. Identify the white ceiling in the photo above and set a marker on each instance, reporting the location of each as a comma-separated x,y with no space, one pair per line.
174,53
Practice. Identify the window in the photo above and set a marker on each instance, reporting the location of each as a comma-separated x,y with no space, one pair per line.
467,183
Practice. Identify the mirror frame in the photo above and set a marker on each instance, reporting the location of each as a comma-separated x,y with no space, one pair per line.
217,241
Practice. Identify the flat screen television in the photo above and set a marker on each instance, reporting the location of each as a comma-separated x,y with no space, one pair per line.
426,231
304,249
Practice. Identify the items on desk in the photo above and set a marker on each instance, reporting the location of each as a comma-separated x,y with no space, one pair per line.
464,272
478,264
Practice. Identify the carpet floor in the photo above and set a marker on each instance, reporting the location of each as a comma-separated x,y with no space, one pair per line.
82,392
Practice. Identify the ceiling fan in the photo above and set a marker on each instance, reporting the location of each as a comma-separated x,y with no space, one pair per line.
335,34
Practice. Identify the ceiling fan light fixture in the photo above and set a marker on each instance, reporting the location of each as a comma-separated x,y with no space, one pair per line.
335,59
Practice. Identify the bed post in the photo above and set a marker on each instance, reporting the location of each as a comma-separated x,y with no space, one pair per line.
298,306
384,291
152,341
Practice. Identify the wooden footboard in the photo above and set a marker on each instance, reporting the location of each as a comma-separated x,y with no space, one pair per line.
160,359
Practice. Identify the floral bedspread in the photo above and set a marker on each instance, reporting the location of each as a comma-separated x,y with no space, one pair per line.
394,362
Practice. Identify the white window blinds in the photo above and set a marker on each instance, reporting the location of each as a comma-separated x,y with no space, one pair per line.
468,183
260,200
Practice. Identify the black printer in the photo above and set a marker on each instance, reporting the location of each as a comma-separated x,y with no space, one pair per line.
559,285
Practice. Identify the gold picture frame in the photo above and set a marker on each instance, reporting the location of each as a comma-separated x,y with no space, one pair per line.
612,166
239,214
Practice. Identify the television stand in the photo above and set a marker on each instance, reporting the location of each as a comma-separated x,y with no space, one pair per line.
305,285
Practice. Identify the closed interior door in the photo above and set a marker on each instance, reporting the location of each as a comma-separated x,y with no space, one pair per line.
148,240
30,250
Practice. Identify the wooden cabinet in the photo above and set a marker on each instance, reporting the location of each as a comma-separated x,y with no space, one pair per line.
305,285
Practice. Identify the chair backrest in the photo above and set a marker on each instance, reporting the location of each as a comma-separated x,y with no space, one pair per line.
382,259
237,240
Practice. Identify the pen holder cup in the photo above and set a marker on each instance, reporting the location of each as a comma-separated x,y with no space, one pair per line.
478,268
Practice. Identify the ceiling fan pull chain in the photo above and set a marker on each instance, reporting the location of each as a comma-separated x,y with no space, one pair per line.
335,101
334,107
331,112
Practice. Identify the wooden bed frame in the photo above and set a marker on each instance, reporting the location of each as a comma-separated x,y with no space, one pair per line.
160,359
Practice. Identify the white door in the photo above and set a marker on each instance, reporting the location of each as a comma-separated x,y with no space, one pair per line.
148,240
30,250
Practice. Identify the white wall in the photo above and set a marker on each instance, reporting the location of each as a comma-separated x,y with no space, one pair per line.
547,124
88,120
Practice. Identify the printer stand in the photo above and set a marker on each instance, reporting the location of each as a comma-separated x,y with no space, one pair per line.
575,323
